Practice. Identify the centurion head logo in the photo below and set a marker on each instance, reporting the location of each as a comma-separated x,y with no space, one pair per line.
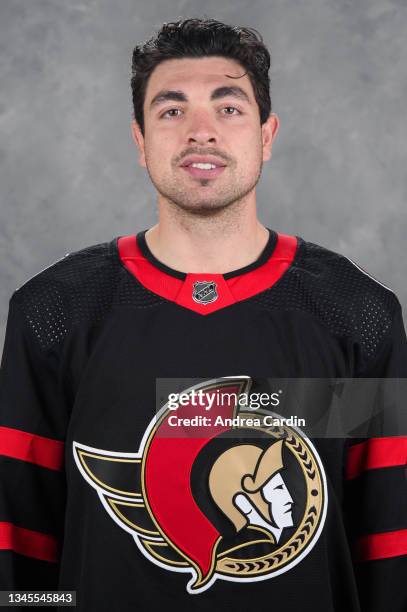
246,484
218,502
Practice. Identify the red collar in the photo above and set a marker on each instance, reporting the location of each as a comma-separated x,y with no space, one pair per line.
211,292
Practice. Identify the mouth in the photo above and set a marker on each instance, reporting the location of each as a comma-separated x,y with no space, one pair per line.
204,170
203,166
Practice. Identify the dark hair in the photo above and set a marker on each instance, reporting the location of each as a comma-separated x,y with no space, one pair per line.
200,37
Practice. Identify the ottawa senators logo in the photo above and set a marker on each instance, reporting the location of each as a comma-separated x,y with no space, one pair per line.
221,502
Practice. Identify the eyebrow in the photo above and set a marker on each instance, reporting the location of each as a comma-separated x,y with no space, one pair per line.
179,96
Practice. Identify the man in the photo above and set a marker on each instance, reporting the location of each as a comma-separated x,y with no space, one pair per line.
104,497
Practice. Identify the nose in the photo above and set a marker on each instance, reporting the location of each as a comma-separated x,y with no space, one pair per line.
201,129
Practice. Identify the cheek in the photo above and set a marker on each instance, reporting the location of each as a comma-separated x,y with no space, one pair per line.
250,150
157,152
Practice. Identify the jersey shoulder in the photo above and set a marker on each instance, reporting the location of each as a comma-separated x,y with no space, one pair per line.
81,286
351,300
70,270
336,290
342,280
339,263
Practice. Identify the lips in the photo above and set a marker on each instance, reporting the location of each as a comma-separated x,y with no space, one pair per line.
203,159
200,173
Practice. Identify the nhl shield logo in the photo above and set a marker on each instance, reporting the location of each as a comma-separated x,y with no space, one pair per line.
204,292
237,503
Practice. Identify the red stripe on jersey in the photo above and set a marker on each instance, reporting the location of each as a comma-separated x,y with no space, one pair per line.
42,451
29,543
381,545
229,290
376,453
170,457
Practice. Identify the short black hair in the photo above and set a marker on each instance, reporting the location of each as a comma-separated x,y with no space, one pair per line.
201,37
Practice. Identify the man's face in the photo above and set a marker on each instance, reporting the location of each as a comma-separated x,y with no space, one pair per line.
195,113
280,500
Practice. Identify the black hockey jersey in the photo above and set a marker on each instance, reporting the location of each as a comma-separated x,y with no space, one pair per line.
134,469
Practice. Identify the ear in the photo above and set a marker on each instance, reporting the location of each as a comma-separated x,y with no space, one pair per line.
139,140
269,131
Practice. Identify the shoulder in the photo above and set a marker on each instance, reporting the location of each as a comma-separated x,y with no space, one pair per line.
351,299
70,270
341,279
75,286
343,296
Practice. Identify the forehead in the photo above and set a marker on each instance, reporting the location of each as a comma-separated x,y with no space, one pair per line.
188,74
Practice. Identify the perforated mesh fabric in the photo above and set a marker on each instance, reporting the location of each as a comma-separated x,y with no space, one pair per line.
82,286
330,287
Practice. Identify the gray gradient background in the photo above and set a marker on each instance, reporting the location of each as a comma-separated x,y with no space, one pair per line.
69,170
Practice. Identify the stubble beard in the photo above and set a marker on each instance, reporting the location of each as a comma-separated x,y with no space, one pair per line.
191,202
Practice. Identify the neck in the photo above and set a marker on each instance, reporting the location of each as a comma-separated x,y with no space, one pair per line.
213,244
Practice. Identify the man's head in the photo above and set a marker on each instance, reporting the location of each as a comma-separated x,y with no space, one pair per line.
201,94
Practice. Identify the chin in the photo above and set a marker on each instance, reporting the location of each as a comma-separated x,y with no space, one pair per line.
205,209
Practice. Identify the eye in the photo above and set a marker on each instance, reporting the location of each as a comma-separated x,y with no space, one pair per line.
278,487
233,108
170,110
